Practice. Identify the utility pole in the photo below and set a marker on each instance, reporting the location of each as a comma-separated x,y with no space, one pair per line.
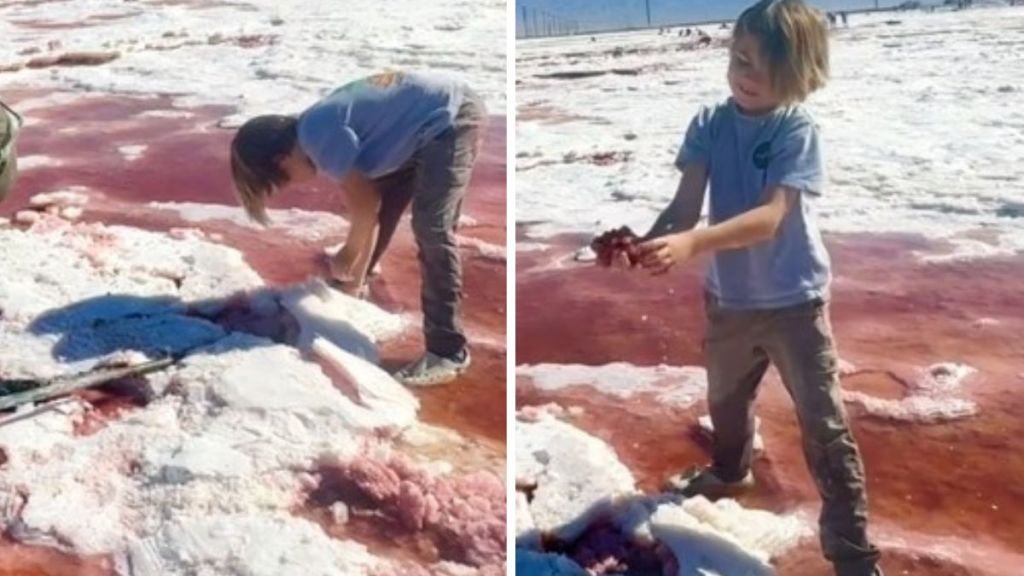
648,4
526,23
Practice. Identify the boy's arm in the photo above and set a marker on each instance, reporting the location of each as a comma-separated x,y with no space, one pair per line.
749,228
364,203
683,212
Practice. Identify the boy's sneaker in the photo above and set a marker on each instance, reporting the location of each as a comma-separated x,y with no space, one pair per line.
702,481
431,369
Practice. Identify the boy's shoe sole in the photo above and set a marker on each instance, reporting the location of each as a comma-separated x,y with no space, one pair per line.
703,482
432,370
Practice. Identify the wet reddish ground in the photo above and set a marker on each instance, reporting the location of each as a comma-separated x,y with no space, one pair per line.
944,498
17,560
186,160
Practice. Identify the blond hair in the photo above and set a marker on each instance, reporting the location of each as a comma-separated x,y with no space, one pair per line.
794,42
256,151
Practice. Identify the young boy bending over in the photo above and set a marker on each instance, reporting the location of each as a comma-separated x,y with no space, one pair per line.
390,140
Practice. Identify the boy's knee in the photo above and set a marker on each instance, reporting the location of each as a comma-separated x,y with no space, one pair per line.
828,434
433,236
726,398
835,462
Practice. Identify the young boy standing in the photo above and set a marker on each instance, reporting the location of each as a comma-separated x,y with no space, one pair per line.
390,140
767,286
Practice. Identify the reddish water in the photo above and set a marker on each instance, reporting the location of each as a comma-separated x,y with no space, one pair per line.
186,160
951,485
17,560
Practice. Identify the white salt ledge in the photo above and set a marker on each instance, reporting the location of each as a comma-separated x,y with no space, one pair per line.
27,216
723,538
350,323
384,401
71,197
278,545
578,478
486,250
34,161
132,152
676,386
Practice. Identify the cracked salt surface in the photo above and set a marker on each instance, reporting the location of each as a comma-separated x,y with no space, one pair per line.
935,396
204,478
569,480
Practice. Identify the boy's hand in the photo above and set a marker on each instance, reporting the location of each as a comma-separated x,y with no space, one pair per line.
660,254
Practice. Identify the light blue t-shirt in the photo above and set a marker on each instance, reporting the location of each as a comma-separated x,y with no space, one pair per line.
745,155
377,123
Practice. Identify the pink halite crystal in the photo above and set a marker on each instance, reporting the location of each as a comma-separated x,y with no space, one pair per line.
464,515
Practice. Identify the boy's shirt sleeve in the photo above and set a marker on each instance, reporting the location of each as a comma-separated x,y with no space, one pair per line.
330,144
798,164
696,147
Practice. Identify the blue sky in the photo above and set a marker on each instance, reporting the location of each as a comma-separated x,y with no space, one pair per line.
602,14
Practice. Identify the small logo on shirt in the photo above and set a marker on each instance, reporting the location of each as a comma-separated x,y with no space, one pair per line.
763,155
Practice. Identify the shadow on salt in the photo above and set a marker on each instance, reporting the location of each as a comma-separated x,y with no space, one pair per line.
338,330
165,325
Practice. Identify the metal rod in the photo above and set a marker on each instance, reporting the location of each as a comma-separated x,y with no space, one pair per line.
64,385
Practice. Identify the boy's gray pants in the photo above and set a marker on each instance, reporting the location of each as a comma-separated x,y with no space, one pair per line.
435,182
798,339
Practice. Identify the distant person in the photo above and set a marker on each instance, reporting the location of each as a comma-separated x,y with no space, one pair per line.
842,16
10,124
390,140
688,31
704,40
831,19
767,284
